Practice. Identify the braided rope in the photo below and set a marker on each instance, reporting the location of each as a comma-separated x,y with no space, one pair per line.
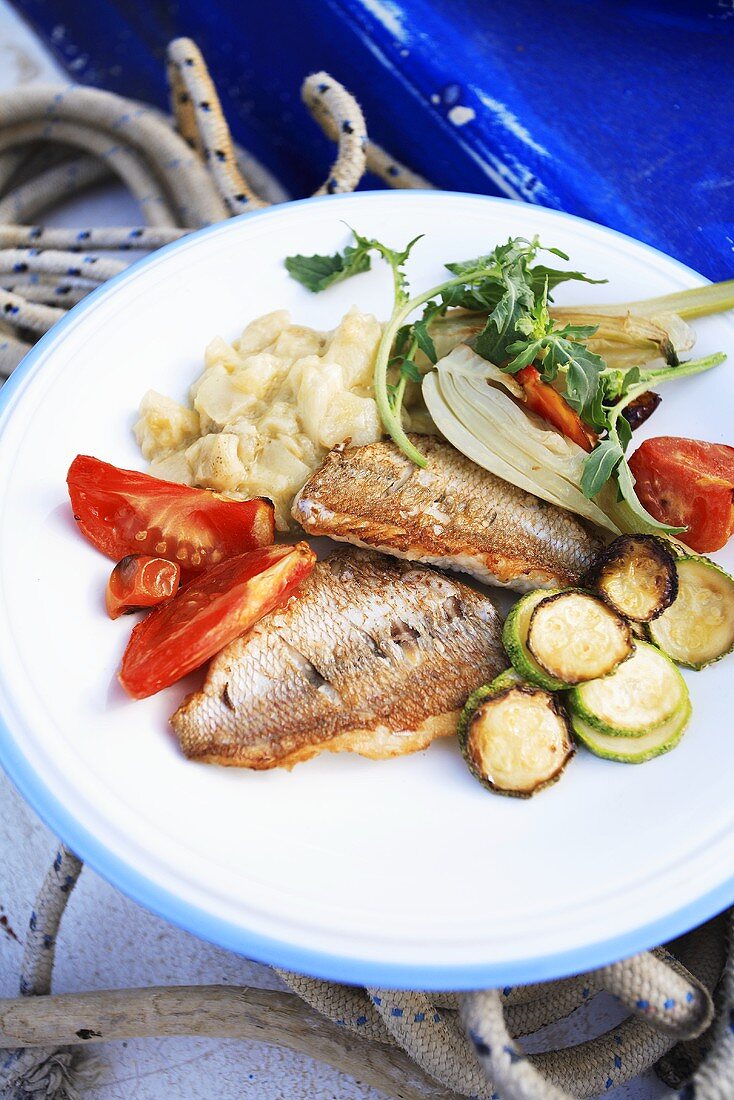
381,164
33,1074
201,121
45,293
28,199
12,351
28,315
135,173
71,264
117,238
657,988
340,116
133,139
703,952
714,1077
429,1034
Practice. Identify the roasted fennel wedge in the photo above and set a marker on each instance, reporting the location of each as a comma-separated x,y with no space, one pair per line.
641,695
480,414
637,576
515,741
698,627
574,637
633,750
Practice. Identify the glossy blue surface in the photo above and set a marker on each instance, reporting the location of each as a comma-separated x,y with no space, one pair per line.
61,819
619,112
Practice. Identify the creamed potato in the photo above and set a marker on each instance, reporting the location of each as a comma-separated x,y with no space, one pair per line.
266,409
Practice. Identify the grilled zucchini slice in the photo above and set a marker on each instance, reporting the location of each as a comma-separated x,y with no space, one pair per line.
514,639
516,741
506,679
645,692
637,576
633,750
698,627
574,637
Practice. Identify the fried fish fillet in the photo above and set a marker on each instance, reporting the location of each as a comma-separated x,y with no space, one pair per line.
372,655
452,514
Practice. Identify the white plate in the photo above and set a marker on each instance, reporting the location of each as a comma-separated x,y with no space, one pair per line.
398,873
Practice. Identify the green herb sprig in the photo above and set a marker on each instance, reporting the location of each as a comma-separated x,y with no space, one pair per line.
607,461
513,291
503,283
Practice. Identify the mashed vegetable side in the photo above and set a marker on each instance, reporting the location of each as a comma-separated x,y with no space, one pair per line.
267,408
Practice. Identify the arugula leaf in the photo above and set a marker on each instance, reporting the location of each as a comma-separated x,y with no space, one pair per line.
501,331
409,370
583,370
561,349
626,484
422,336
624,432
524,353
394,257
317,273
599,466
542,274
608,461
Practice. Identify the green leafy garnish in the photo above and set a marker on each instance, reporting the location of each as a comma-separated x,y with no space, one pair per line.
319,272
503,283
607,461
513,291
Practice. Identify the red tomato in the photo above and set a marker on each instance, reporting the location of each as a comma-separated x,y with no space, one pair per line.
124,512
139,581
208,613
688,483
553,407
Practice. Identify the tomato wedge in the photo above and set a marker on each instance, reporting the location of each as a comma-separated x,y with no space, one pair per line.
124,512
139,581
553,407
688,483
208,613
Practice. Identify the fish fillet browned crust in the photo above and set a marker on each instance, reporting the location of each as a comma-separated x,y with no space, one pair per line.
452,514
372,655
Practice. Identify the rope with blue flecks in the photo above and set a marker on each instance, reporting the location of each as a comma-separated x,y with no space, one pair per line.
182,178
27,1072
466,1041
189,178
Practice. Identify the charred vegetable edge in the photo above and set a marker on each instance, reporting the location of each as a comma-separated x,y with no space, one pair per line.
633,750
514,639
578,704
697,561
610,559
613,660
472,712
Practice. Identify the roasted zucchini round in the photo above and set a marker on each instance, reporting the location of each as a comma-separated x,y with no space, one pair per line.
514,639
516,741
506,679
698,627
574,637
633,750
637,576
642,694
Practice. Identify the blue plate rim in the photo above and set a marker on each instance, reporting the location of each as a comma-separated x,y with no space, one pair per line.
165,904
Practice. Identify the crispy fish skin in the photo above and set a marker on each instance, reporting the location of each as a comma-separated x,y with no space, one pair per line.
452,514
373,656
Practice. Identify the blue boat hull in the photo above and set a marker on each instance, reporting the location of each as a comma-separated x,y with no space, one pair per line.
619,112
